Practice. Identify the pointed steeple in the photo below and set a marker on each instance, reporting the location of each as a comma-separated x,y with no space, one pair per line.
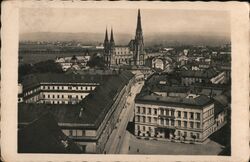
138,21
112,36
106,36
106,42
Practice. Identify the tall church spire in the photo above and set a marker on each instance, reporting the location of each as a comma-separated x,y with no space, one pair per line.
112,41
138,21
106,42
139,45
112,37
106,36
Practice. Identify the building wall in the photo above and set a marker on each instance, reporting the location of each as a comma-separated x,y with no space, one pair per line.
54,93
173,122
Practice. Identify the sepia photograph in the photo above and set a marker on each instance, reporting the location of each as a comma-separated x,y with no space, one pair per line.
136,80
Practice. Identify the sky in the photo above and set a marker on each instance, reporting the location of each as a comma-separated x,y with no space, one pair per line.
123,20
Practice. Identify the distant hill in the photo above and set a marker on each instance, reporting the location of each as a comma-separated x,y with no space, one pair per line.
166,39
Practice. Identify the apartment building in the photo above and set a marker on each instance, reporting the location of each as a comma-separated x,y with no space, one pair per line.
51,88
189,118
90,122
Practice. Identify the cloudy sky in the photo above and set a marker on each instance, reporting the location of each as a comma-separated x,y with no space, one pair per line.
124,21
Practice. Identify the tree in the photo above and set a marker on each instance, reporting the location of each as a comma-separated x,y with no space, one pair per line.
40,67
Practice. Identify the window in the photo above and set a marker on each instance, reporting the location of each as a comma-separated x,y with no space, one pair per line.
162,121
167,122
62,96
198,116
143,128
185,134
167,112
58,96
155,120
149,128
138,109
48,87
53,96
70,132
185,124
48,96
191,124
70,96
197,125
69,87
191,115
143,119
155,111
149,110
179,133
162,112
172,122
179,114
172,112
62,87
43,96
137,118
83,133
149,119
197,135
53,87
185,115
138,127
144,110
179,123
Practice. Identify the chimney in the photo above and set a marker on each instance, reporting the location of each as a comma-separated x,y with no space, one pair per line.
81,113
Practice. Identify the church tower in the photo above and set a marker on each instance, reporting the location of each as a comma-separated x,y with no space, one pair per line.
112,41
139,44
106,42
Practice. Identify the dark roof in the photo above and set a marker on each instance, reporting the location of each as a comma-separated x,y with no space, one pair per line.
208,73
197,102
95,105
33,80
44,136
218,108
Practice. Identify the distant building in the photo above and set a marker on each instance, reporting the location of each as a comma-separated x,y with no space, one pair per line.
76,62
133,54
90,122
210,75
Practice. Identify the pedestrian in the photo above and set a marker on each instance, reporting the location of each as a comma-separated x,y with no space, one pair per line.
137,150
128,147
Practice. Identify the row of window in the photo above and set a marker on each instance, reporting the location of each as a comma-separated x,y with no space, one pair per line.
150,111
179,133
63,96
208,113
190,135
168,122
192,115
168,112
68,87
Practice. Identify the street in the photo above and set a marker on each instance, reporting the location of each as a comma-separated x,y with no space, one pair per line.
116,139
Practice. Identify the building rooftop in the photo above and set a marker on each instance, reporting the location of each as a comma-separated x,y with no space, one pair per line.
208,73
194,102
44,136
33,80
95,106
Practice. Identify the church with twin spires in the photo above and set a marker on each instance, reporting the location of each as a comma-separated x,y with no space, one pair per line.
132,54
